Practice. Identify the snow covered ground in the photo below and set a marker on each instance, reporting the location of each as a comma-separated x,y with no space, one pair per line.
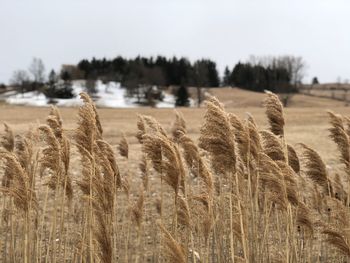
110,95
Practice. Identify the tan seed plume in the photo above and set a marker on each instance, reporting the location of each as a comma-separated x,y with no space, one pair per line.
274,112
7,139
293,159
217,138
340,137
123,147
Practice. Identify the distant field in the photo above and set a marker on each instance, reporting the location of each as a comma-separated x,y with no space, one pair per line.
335,91
236,98
304,124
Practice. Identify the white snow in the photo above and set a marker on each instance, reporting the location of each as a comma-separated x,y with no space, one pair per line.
110,95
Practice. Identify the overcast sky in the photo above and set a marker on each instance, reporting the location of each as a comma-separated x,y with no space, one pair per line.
65,31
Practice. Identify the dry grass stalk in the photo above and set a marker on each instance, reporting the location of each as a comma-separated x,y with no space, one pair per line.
217,138
7,142
51,157
271,179
174,252
195,162
290,182
20,188
154,126
340,137
86,133
274,112
103,237
138,209
272,146
144,168
153,151
123,147
109,159
183,212
7,139
255,145
171,163
315,167
241,135
179,126
23,196
141,128
338,240
293,159
304,217
190,153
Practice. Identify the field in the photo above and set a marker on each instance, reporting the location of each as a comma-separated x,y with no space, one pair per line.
250,208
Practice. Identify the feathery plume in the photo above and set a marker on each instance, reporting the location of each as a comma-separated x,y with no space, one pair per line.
274,112
152,149
315,167
254,137
7,139
340,137
241,135
217,138
191,153
293,159
123,147
335,238
183,211
171,162
87,100
290,182
51,159
20,190
143,166
137,209
304,217
179,126
141,128
272,146
86,133
175,253
107,151
154,125
271,178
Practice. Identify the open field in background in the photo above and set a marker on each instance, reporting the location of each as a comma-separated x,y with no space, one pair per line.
334,91
306,118
307,125
306,122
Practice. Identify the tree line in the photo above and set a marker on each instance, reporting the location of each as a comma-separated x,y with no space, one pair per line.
160,71
281,74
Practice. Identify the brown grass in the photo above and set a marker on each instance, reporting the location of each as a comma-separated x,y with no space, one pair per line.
206,185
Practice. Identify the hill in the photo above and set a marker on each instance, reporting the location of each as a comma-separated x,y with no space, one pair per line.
238,98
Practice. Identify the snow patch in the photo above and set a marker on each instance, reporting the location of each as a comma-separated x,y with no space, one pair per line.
110,95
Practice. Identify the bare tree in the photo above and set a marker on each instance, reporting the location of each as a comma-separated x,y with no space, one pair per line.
90,85
20,79
37,69
200,79
295,66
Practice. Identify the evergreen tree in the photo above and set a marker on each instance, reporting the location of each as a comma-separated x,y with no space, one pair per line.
182,97
52,77
227,77
315,81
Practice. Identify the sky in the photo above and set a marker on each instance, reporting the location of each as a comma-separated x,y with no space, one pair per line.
226,31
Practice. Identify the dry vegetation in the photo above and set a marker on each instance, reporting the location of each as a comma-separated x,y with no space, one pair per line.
106,185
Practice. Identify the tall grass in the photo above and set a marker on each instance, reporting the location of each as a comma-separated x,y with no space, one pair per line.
239,194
